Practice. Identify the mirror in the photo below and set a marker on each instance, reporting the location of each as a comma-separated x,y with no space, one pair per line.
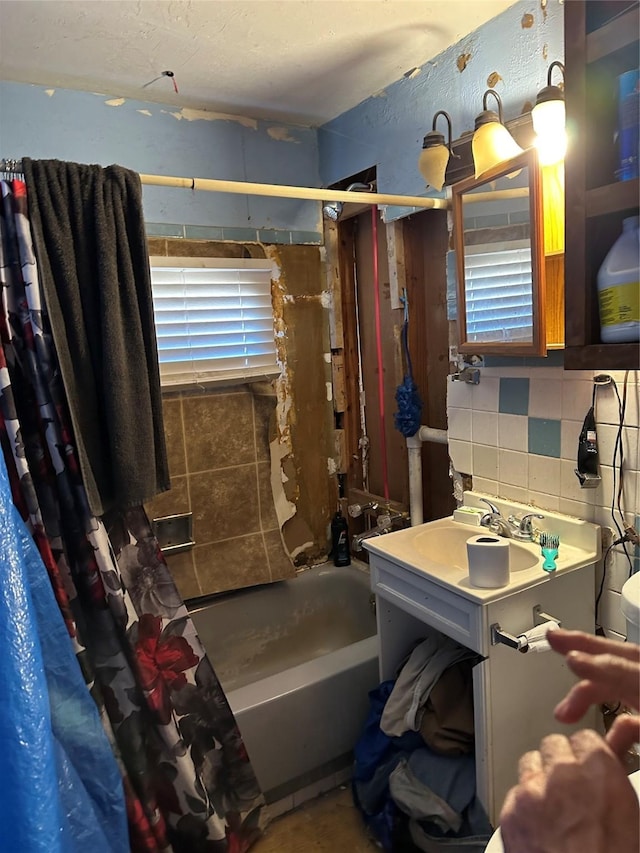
498,239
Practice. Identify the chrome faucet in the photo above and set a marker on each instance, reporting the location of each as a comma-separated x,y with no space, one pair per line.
511,527
385,523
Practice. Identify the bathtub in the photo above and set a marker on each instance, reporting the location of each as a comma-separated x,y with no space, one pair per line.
296,659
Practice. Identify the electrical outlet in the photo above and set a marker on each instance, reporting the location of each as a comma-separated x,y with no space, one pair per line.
632,534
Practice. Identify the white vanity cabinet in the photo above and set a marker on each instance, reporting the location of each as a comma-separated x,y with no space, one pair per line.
514,692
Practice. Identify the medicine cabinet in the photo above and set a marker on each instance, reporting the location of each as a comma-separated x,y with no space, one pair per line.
498,232
601,44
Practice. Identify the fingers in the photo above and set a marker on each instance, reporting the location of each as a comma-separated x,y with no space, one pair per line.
580,698
624,732
620,676
529,765
563,641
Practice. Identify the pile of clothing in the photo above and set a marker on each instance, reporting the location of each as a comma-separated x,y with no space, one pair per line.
414,772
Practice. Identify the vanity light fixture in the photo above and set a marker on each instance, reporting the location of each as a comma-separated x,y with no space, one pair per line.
492,143
433,160
548,118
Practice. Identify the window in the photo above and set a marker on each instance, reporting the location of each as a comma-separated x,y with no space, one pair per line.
214,318
498,292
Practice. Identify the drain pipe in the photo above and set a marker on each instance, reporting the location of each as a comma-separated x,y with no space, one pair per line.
414,452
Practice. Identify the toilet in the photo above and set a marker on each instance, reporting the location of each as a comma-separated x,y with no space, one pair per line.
630,605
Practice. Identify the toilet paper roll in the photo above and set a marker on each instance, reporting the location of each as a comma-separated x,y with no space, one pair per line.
537,637
488,558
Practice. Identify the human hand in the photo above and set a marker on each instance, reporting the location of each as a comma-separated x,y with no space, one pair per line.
573,796
610,671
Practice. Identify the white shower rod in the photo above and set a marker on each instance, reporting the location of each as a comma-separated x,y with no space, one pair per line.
283,191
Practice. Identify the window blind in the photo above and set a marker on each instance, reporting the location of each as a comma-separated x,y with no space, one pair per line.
214,319
498,293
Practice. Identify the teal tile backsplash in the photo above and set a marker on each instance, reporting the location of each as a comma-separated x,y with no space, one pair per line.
544,437
514,396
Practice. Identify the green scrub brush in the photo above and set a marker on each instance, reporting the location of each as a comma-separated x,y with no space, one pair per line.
549,544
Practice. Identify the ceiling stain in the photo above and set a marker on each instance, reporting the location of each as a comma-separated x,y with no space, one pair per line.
545,51
543,6
527,21
115,102
207,115
144,112
493,79
463,61
412,72
50,92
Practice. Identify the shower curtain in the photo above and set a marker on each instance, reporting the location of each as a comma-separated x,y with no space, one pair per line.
188,782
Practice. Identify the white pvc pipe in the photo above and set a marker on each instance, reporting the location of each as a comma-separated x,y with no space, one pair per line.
414,456
283,191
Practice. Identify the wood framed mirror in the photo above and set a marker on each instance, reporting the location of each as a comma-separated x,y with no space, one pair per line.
499,244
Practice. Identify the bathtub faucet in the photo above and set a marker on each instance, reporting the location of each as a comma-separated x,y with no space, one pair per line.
386,522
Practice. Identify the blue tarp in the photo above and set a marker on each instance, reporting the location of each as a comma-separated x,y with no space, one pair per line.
61,788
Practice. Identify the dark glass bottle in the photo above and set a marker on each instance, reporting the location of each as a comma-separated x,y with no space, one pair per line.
340,540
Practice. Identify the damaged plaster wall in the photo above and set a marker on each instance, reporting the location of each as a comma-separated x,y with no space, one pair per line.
152,138
512,52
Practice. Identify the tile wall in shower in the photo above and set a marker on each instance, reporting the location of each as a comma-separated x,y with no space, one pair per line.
218,449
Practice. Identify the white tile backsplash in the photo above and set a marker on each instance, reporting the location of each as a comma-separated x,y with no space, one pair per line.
513,432
513,467
485,461
461,453
459,423
545,398
484,429
544,473
576,399
484,396
480,436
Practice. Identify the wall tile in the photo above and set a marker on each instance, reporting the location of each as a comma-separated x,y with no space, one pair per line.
513,432
305,237
570,486
460,453
202,232
569,436
605,493
514,493
607,437
544,501
163,229
174,435
544,437
264,407
280,566
545,398
576,399
219,431
544,473
183,572
231,564
459,424
173,502
514,396
619,568
459,394
577,509
485,461
224,503
240,235
274,237
268,517
513,467
484,428
487,487
485,396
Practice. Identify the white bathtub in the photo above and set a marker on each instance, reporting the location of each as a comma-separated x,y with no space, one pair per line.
296,659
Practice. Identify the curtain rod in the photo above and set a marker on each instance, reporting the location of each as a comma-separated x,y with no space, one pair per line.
274,190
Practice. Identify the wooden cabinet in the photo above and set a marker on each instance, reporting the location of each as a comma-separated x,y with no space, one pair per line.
601,42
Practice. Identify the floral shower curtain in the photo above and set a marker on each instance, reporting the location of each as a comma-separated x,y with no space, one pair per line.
188,782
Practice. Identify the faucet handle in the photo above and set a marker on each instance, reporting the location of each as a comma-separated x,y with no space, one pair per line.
356,510
524,524
494,509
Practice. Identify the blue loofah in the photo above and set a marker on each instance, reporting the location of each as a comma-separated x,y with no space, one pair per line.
407,418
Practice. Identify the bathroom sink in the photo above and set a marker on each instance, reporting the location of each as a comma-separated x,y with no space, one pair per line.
437,551
447,544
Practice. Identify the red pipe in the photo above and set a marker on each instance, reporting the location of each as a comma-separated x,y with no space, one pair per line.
376,302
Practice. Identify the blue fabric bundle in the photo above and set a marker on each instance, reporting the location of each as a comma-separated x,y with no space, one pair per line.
407,418
61,786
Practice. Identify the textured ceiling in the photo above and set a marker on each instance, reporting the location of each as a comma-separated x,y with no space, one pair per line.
304,61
